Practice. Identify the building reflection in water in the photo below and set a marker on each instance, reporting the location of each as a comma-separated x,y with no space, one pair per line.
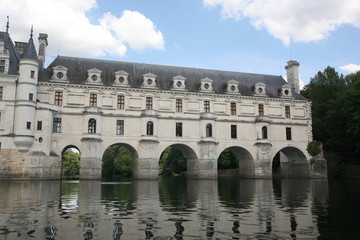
174,209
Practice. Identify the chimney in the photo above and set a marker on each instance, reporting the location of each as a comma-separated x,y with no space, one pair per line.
20,47
43,43
292,72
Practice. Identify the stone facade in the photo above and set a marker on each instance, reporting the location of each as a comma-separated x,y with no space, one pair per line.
93,104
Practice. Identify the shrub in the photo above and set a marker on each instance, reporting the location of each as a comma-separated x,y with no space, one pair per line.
313,148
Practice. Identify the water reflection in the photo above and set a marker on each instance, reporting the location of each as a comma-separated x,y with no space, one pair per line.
169,208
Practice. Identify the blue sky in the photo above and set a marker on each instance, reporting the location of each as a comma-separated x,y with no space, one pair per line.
238,35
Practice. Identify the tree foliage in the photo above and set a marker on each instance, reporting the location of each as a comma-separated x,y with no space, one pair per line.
71,163
335,100
117,162
227,160
172,160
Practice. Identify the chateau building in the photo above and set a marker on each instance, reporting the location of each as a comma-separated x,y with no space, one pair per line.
92,104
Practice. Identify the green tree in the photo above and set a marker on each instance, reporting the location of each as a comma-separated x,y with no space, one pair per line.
71,163
227,160
117,161
172,160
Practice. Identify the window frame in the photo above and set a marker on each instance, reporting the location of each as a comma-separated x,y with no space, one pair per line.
206,106
121,102
58,100
178,105
93,100
208,130
178,129
120,128
233,131
92,126
1,92
287,112
28,125
56,125
233,108
39,126
264,132
150,128
261,109
149,103
288,134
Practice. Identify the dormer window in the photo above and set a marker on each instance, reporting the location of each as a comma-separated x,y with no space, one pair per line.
149,80
260,89
60,74
121,78
94,76
232,87
285,91
206,85
179,83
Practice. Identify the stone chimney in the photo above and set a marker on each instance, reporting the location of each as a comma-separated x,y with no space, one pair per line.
20,47
43,43
292,72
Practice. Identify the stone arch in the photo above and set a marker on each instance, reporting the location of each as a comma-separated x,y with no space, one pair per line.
245,160
192,161
290,162
62,157
133,151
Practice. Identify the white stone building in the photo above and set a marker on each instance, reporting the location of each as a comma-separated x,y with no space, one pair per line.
92,104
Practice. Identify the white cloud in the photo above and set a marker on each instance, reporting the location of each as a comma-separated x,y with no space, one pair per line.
296,20
71,32
352,68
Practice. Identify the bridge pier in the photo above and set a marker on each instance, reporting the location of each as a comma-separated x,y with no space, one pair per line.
147,164
263,167
207,160
91,158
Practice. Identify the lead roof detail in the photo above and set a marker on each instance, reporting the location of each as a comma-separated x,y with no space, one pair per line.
78,74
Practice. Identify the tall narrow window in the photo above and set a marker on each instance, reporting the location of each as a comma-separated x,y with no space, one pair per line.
1,93
121,102
2,66
57,125
92,126
287,111
288,133
179,129
206,106
208,130
233,108
58,98
178,105
264,133
120,127
149,103
233,131
28,125
150,128
93,100
39,125
261,110
32,74
31,96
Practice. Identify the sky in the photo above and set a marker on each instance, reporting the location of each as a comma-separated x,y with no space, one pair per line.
254,36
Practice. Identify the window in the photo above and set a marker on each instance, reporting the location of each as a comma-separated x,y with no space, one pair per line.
121,102
57,125
31,96
288,133
93,100
150,128
58,98
2,66
28,125
32,74
39,125
119,127
92,126
233,131
287,111
233,108
149,103
178,129
261,110
264,133
206,106
178,105
208,130
1,92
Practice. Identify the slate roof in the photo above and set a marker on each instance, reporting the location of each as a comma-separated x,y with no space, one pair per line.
14,56
77,74
30,51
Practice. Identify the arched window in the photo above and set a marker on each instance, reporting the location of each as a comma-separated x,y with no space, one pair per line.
208,130
92,126
150,128
264,132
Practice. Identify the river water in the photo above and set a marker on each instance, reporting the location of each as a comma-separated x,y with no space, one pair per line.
177,208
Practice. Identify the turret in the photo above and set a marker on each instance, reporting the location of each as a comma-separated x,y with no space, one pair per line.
43,43
292,72
26,89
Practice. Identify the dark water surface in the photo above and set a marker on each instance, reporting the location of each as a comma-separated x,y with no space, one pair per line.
177,208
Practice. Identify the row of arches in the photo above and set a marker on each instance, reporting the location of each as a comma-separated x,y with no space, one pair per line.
180,159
